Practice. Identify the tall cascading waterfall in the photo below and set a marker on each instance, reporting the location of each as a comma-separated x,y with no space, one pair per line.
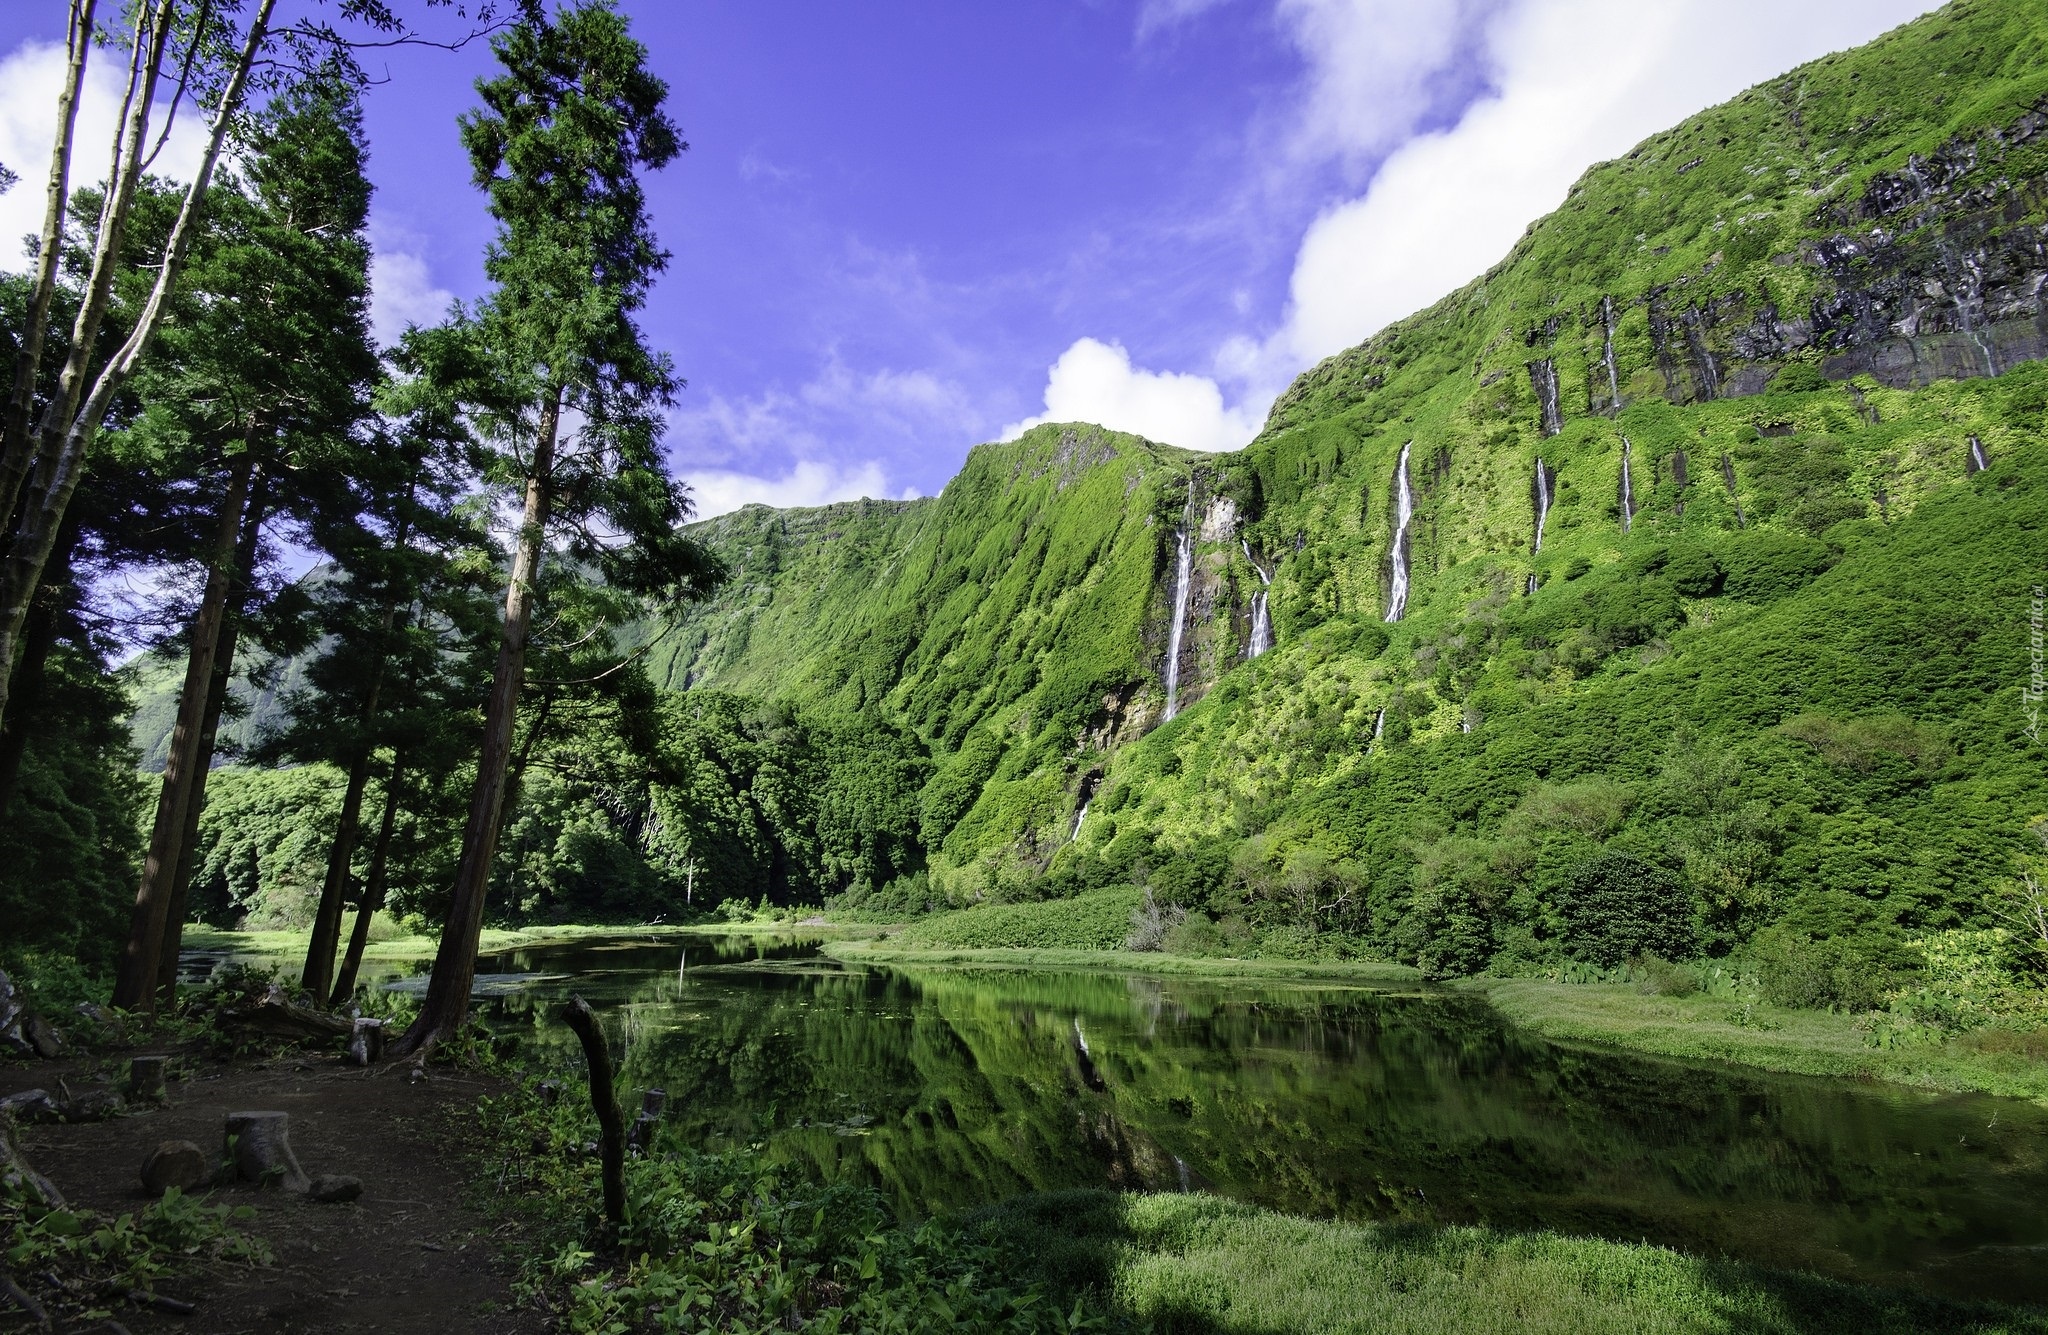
1184,571
1607,351
1545,484
1404,511
1979,461
1628,490
1262,621
1079,816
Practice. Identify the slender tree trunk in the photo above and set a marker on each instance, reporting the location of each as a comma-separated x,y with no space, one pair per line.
447,1001
40,632
373,888
319,968
318,972
16,450
135,982
202,763
68,425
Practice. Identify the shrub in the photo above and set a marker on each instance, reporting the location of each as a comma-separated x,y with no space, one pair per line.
1615,905
1768,566
1098,921
1658,977
1152,923
1809,974
1799,378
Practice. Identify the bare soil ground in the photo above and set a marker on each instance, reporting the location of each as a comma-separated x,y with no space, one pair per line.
413,1254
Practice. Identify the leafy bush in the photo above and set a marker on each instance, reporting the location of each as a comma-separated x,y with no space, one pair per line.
1614,905
1097,921
1807,974
1767,566
1659,977
1799,378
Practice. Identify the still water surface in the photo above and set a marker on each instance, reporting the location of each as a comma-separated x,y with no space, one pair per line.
953,1089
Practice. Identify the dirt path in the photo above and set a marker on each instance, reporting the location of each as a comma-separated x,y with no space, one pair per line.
412,1255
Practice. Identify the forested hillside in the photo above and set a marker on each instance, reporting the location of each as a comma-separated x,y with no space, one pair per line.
1726,509
1667,587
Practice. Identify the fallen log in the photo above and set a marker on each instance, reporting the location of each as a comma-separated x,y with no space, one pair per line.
17,1173
275,1015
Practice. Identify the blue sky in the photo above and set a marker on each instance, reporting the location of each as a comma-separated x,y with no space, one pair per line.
907,226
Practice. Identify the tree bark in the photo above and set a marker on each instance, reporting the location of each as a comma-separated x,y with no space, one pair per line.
135,982
67,428
15,448
447,1001
216,700
40,632
373,888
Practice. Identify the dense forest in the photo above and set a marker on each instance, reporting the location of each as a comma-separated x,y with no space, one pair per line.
1672,589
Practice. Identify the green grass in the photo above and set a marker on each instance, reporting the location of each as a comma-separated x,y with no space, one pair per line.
1200,1263
291,945
1800,1042
1097,921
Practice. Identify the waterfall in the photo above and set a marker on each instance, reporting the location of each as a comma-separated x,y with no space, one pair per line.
1543,377
1532,582
1184,569
1379,723
1546,479
1607,351
1978,460
1262,622
1404,511
1628,491
1079,816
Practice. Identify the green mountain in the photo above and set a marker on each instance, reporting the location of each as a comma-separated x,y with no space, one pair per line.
1725,501
1670,586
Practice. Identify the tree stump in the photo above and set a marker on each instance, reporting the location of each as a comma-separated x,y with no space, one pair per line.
640,1135
174,1163
146,1079
366,1041
259,1150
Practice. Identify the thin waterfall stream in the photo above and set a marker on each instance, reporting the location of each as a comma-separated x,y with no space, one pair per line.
1404,511
1546,481
1628,491
1184,563
1262,621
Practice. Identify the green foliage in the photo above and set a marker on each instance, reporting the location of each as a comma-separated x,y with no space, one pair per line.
70,847
731,1242
1096,921
95,1254
1614,906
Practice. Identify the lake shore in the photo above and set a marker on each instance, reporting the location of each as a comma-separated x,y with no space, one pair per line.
1694,1028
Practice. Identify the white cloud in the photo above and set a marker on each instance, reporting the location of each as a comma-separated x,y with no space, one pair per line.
402,288
1566,84
808,482
1095,382
1578,81
30,78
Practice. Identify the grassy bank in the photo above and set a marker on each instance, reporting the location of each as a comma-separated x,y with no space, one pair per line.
1201,1263
1376,973
1801,1042
1086,933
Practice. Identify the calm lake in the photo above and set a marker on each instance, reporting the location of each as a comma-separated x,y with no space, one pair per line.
952,1089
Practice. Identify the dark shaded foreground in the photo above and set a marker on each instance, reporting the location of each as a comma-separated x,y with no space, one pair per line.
411,1257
